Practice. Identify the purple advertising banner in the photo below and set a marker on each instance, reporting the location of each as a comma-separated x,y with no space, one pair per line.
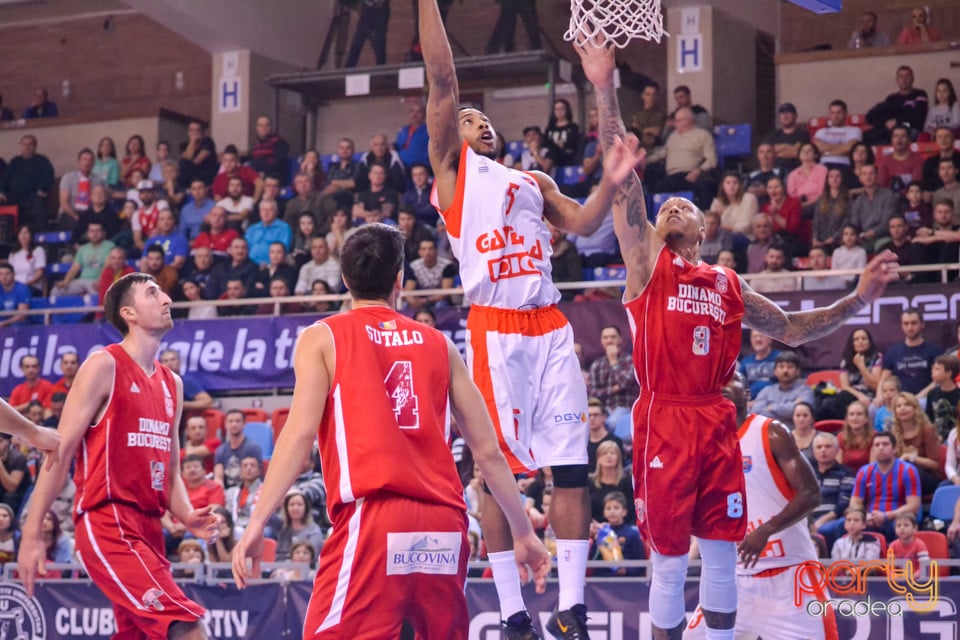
255,353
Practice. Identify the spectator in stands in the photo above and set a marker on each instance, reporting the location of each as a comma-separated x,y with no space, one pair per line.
201,491
237,205
372,24
777,400
756,181
298,525
166,235
379,200
609,476
502,37
144,221
882,498
26,182
322,267
242,497
787,216
134,194
538,153
154,264
135,159
907,106
866,35
198,156
218,236
226,469
29,262
943,395
69,365
271,191
918,31
305,229
102,211
251,184
762,240
861,155
306,200
915,211
788,138
681,95
412,139
849,255
951,466
835,479
806,182
625,543
269,230
83,277
169,188
736,207
236,290
854,546
758,366
106,165
75,190
715,238
310,484
114,268
900,244
611,377
945,111
691,157
413,231
268,157
41,107
193,213
911,359
563,133
14,476
162,157
192,292
591,166
950,189
429,271
902,167
6,115
59,544
9,532
870,213
277,289
276,267
651,118
599,432
830,211
313,167
774,263
860,370
882,407
341,179
195,398
199,443
837,139
33,388
937,244
417,197
380,153
931,166
238,267
817,260
220,550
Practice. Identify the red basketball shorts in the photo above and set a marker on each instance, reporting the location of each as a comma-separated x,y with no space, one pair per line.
121,549
391,559
687,471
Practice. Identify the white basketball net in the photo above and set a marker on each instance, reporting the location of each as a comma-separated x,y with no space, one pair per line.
616,21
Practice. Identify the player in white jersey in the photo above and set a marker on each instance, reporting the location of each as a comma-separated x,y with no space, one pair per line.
781,491
519,346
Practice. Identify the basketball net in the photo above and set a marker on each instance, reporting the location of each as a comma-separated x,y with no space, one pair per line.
616,21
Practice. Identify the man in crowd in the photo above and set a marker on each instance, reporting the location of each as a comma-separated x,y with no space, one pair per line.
691,156
866,35
430,272
75,190
379,200
14,297
271,191
26,182
41,107
835,140
228,456
836,485
270,229
341,179
756,180
83,277
194,213
906,106
322,266
380,153
69,365
237,205
950,189
774,262
777,400
902,167
881,495
932,181
154,264
597,421
238,267
198,156
413,231
251,184
611,378
269,154
194,396
306,200
33,388
144,221
788,138
167,235
871,212
412,139
14,475
911,359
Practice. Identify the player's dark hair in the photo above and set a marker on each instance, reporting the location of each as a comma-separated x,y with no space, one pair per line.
119,296
370,260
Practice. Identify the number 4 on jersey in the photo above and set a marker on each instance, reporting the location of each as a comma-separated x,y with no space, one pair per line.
399,384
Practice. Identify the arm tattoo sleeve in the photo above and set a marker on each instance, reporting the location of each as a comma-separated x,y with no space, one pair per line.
630,194
798,327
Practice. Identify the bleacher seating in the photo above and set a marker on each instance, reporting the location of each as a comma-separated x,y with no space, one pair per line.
253,414
215,420
62,302
944,502
260,434
570,175
733,141
8,223
515,149
277,419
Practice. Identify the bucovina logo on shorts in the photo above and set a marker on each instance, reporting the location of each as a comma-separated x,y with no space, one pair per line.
21,617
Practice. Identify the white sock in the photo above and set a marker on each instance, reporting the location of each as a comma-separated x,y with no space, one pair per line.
719,634
572,571
506,577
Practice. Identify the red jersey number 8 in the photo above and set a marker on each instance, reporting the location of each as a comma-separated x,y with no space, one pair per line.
701,340
399,385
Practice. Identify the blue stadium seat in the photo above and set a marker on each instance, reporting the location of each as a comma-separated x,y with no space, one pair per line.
733,140
587,274
260,434
570,175
293,168
515,149
62,302
616,272
943,503
328,159
52,237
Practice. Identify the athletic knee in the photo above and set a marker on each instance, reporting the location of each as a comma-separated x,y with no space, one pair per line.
669,572
718,620
718,588
182,630
570,476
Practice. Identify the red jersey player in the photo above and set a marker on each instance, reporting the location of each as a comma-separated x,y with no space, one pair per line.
398,550
685,317
120,421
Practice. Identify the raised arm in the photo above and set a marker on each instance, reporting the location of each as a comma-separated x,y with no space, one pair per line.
797,327
806,493
442,101
639,242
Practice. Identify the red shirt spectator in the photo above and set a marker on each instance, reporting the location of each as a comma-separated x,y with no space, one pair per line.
232,169
69,364
218,243
786,213
115,268
33,388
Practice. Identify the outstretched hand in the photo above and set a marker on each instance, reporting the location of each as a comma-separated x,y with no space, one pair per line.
250,545
878,273
598,60
533,557
622,158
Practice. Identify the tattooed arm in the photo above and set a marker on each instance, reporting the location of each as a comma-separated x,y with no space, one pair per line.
797,327
639,243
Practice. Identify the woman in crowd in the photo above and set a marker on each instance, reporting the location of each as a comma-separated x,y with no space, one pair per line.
59,545
192,293
830,212
222,547
945,112
29,262
339,230
563,133
9,534
106,165
162,155
803,431
425,316
312,166
135,160
806,182
855,437
302,235
303,553
951,467
917,441
609,476
735,206
321,288
860,369
860,154
298,526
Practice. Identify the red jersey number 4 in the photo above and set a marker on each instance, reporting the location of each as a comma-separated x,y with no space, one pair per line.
399,385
